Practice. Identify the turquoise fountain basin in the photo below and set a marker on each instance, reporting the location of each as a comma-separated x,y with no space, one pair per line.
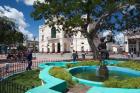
87,75
90,74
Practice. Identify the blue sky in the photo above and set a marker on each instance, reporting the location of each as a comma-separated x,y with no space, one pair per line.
20,10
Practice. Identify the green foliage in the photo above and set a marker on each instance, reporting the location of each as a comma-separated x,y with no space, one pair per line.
21,48
28,78
63,74
69,14
98,12
130,64
9,33
127,83
83,63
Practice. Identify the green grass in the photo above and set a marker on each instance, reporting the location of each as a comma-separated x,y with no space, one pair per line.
63,74
28,78
130,64
83,63
127,83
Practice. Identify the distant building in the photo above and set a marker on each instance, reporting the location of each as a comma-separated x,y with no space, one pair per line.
31,45
53,41
117,48
132,42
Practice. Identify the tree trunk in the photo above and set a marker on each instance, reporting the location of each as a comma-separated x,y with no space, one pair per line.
93,47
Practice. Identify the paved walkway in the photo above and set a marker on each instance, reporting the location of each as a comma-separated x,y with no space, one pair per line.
66,56
88,56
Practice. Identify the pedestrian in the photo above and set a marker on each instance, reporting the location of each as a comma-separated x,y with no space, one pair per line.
132,54
74,56
129,55
29,58
83,55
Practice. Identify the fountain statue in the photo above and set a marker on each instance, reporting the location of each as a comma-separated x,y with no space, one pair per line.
103,72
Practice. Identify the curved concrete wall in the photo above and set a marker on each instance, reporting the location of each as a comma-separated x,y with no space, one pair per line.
98,86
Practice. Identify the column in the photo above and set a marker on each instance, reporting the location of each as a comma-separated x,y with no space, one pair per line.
137,47
50,47
126,43
56,48
61,45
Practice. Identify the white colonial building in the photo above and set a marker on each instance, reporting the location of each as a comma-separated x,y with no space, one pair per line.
53,41
132,42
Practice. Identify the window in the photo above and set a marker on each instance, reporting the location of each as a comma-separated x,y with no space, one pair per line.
53,32
42,37
82,42
42,49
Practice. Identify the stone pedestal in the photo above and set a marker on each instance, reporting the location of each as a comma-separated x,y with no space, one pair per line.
103,72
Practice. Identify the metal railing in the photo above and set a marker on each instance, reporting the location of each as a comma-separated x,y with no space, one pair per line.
14,68
10,69
11,87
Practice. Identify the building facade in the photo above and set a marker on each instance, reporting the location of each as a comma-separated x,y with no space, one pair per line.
53,41
132,42
32,45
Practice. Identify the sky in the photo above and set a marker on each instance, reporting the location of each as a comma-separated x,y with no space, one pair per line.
20,10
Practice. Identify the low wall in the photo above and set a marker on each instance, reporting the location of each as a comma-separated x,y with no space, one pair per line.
98,86
50,83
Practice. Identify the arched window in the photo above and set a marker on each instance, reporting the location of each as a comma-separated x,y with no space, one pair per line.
53,32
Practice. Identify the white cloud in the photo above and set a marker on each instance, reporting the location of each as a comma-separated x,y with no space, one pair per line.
18,17
119,36
30,2
17,0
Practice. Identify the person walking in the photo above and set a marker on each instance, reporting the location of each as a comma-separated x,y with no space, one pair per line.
29,58
83,55
74,55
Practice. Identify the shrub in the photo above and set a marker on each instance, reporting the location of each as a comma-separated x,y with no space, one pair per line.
85,63
62,73
127,83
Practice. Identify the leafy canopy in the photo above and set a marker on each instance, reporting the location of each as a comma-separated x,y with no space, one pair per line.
9,33
70,14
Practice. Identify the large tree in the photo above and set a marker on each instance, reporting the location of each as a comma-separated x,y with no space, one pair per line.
100,15
9,34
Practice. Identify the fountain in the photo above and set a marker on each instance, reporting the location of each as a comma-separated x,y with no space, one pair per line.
103,72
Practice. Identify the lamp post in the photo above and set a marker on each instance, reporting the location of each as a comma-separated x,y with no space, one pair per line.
26,41
34,43
34,46
76,41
